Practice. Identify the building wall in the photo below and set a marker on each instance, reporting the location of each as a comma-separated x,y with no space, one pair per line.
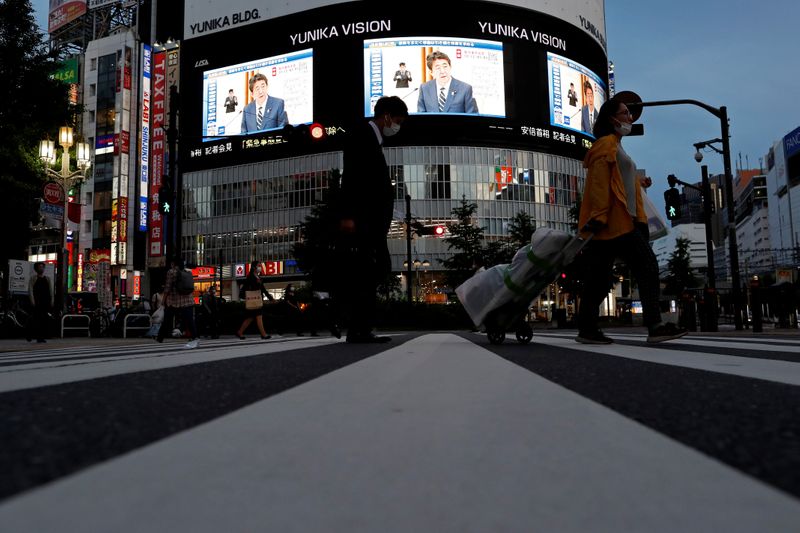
252,212
108,111
665,246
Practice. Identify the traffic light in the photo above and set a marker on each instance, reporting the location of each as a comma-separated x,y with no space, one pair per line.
672,203
437,230
166,197
317,131
672,179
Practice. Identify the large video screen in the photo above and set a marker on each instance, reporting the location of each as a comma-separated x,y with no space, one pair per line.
436,75
576,94
259,95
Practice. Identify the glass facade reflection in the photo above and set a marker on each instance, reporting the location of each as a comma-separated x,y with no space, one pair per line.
252,212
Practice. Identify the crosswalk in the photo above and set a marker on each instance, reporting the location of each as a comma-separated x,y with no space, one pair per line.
432,432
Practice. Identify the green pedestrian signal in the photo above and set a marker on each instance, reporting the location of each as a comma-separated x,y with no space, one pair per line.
672,204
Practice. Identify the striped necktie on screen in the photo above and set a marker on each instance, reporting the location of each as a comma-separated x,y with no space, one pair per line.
260,120
442,99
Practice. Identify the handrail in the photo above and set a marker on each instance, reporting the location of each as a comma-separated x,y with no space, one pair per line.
126,327
88,324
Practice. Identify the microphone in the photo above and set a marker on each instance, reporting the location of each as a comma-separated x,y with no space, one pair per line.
409,94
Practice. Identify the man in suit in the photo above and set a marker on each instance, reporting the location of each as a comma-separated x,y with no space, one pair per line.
444,94
231,102
588,113
366,206
264,112
572,96
402,77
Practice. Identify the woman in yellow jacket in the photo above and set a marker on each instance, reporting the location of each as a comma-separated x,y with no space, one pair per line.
612,209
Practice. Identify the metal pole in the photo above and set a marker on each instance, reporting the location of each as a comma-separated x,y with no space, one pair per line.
710,296
722,114
408,248
712,275
62,265
175,184
732,244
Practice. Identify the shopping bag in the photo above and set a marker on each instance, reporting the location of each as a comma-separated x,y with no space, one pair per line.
252,300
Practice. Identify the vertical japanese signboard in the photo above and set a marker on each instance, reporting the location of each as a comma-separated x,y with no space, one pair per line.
158,102
144,149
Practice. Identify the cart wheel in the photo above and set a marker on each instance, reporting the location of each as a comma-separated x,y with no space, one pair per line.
524,334
496,337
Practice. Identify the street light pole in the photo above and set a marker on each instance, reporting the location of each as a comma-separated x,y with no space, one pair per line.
722,115
47,153
408,248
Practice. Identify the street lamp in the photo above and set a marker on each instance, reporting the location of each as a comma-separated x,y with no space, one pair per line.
65,178
424,263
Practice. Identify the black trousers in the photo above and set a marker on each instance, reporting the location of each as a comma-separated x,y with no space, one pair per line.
367,264
38,323
596,265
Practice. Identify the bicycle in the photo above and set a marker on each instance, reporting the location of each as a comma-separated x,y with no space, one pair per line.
13,322
100,321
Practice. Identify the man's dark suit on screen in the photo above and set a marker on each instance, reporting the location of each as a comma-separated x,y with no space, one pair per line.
459,98
273,112
586,124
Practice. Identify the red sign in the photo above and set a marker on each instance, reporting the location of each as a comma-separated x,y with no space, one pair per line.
53,193
269,268
204,272
503,176
122,208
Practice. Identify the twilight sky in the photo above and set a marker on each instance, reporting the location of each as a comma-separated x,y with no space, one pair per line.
736,53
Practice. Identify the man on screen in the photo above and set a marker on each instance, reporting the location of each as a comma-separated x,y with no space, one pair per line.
444,94
588,113
402,77
264,112
231,102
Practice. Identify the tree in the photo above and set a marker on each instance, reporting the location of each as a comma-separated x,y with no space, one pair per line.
520,229
575,214
34,105
466,241
679,267
315,253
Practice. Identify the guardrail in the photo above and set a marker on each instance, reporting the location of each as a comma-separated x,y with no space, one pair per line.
86,327
126,327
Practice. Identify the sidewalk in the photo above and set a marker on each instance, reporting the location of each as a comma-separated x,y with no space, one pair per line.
725,330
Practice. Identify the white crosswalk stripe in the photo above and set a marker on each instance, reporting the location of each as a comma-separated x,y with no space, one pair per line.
769,369
69,366
434,434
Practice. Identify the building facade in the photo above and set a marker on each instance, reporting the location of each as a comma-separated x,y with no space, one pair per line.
519,149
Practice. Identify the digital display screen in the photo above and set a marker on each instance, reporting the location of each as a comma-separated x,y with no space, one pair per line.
442,75
576,94
259,95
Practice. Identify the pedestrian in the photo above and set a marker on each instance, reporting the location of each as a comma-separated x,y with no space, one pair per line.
294,314
211,311
178,300
366,206
254,291
40,292
612,210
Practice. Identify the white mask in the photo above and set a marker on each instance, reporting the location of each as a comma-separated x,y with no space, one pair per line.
623,128
391,130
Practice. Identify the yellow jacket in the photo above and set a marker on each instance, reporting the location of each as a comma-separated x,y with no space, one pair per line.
604,198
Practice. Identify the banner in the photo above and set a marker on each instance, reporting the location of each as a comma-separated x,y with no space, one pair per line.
157,139
144,135
63,12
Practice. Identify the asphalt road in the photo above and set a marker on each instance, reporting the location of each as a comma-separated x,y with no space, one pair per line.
431,432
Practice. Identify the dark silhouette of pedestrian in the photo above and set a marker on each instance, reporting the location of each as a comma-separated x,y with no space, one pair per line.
40,292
